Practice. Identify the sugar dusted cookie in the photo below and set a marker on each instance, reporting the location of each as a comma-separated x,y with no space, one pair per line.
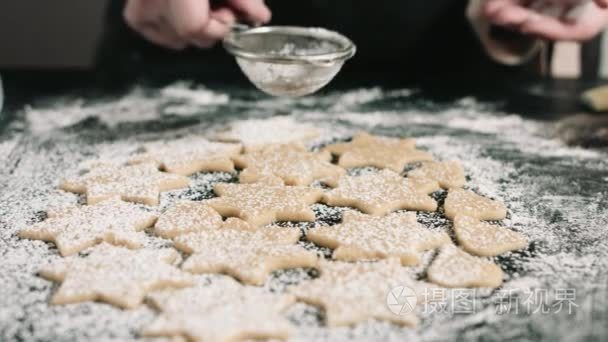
76,228
468,203
188,156
187,217
352,293
115,275
381,193
363,237
255,133
141,183
380,152
261,204
221,311
453,267
249,256
484,239
286,164
449,174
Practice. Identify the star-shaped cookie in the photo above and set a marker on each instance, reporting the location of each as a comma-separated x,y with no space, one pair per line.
141,183
352,293
188,156
484,239
258,133
115,275
187,217
364,237
221,311
380,152
286,164
453,267
76,228
383,192
449,174
249,256
468,203
261,204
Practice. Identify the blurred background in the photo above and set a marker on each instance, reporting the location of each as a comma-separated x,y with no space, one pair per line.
63,34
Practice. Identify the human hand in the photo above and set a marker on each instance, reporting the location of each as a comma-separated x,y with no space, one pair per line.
550,19
176,24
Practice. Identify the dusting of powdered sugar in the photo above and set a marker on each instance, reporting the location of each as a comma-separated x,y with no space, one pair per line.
556,195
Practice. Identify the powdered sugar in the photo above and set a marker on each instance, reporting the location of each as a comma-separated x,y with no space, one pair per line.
555,194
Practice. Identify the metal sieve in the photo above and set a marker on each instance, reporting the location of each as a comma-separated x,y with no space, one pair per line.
289,60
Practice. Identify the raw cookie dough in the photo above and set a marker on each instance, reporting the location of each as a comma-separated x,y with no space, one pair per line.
255,133
188,156
484,239
468,203
380,152
449,174
352,293
453,267
383,192
261,204
115,275
187,217
221,311
249,256
76,228
141,183
363,237
286,164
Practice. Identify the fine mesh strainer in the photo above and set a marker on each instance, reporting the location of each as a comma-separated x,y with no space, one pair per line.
288,60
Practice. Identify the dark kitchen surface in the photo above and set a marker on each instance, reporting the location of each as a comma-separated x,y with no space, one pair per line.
506,135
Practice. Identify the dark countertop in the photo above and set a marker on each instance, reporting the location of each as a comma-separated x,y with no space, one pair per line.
504,133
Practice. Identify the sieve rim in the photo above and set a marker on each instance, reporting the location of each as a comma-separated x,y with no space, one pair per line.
347,47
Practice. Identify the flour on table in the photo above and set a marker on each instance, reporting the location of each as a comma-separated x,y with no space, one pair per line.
257,133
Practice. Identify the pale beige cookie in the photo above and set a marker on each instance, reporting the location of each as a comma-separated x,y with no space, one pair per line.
453,267
255,133
484,239
261,204
286,164
141,183
449,174
115,275
468,203
188,156
249,256
76,228
363,237
221,311
352,293
380,152
381,193
187,217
